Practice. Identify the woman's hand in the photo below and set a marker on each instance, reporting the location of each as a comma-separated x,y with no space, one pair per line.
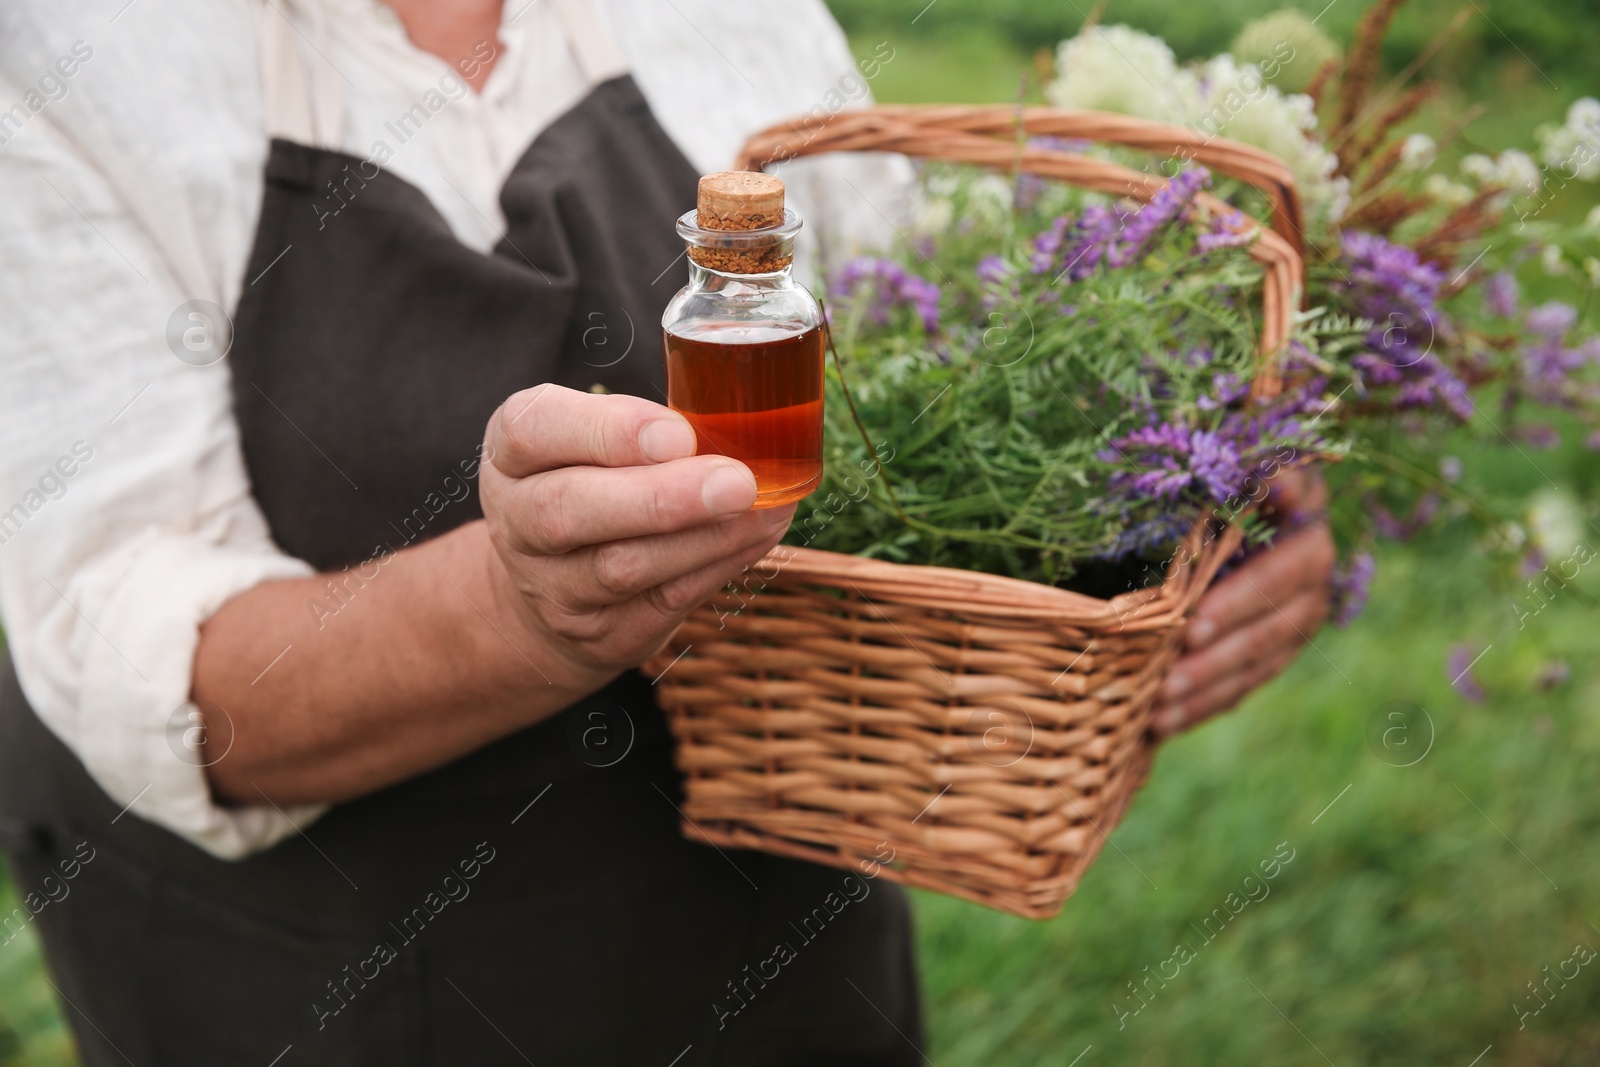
1251,625
603,531
607,529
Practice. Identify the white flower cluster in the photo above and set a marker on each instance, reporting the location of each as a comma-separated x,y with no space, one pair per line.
1118,68
1556,522
1555,262
1442,189
1417,152
1513,169
988,201
1287,31
1573,148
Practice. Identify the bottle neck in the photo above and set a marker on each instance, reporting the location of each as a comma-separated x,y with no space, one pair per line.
740,253
708,280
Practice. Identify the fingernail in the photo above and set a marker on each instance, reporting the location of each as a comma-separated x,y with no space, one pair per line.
1202,632
666,439
729,490
778,516
1167,722
1177,685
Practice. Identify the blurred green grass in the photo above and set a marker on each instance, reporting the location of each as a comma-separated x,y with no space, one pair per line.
31,1029
1559,35
1409,920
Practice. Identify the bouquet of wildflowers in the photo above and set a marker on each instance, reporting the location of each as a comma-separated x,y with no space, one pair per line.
1056,385
1068,389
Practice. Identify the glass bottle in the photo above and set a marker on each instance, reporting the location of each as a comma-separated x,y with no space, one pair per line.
743,341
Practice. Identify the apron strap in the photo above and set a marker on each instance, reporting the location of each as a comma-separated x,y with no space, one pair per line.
314,117
591,41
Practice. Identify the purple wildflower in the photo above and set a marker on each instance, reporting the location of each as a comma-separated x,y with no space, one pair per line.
1226,390
1539,435
1297,358
1030,187
1227,231
1174,461
1075,247
1450,468
1027,191
1552,320
997,281
923,295
1458,668
1169,202
890,285
1389,284
1091,233
993,270
1053,143
1145,536
1352,586
1172,457
1548,361
1500,294
1593,441
1385,274
1048,243
1388,524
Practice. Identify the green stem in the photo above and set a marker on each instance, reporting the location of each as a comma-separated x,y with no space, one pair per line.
855,415
1431,481
996,537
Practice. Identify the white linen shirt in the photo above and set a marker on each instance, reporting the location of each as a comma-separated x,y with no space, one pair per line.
131,152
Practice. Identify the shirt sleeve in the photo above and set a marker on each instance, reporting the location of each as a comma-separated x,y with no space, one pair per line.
126,517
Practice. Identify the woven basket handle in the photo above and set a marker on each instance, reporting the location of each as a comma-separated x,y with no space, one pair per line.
988,136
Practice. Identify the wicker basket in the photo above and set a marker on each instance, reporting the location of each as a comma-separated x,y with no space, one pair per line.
985,732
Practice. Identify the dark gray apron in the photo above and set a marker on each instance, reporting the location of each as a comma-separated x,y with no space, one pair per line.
371,355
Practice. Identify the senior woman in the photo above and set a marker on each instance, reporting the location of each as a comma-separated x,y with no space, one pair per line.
345,507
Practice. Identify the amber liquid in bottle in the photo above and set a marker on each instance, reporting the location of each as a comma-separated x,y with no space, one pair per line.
753,391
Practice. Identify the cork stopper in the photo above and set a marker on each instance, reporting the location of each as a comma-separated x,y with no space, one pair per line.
736,200
740,200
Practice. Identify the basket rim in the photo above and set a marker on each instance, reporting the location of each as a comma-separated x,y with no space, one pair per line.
981,594
853,128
